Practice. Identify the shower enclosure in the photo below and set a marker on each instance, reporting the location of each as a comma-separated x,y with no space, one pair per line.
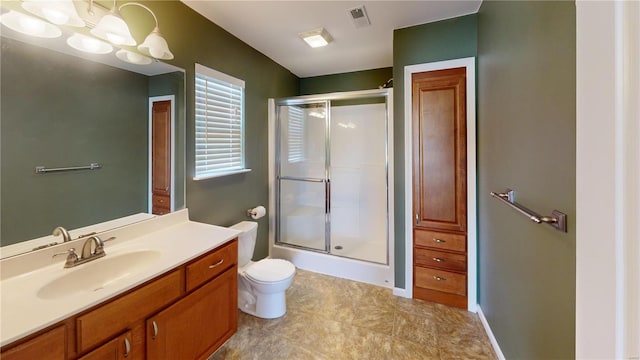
331,177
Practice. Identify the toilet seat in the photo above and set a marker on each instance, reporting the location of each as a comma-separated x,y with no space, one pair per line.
270,270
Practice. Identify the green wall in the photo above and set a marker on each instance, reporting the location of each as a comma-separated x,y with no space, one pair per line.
59,111
526,142
351,81
194,39
442,40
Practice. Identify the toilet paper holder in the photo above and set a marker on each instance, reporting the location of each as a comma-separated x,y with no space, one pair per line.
257,212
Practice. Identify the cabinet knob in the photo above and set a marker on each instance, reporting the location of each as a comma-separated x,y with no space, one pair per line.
439,240
438,259
438,278
127,347
155,330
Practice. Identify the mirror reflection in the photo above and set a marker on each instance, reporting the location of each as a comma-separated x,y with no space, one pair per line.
61,111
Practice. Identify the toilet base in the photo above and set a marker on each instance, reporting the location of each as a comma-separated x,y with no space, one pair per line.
267,306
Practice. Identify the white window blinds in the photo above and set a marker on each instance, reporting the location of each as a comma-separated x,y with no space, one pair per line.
296,134
219,124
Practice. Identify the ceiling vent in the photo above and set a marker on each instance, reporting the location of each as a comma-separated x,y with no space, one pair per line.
359,16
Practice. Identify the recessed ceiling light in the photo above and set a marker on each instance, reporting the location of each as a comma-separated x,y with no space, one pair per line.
316,38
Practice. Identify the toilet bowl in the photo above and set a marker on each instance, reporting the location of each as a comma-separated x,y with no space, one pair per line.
261,284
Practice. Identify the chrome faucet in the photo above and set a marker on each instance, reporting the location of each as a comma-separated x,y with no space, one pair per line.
87,255
62,231
98,248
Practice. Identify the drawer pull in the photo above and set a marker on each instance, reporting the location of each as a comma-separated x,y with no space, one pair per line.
127,347
155,330
216,264
438,278
438,259
439,240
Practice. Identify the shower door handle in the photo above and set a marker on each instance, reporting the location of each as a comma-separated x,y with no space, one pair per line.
327,196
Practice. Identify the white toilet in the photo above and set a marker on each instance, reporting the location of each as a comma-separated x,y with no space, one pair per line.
261,284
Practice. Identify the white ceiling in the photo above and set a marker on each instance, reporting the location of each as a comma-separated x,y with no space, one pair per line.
272,27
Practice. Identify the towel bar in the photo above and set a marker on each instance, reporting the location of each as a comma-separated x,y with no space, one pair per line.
92,166
557,220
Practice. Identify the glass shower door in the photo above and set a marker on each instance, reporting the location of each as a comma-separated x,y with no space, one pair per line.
302,176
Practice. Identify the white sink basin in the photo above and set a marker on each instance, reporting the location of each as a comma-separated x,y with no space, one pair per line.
99,274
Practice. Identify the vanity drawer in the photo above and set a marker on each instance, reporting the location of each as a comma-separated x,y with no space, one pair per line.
440,280
440,259
212,264
440,240
114,317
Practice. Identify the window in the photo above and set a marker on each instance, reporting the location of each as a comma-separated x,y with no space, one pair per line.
296,134
219,124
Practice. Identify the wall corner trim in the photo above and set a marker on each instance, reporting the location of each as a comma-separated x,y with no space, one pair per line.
401,292
492,338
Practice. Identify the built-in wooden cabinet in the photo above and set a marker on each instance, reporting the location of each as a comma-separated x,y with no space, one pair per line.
439,186
161,157
186,313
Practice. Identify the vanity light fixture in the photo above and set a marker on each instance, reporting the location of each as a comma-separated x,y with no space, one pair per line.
154,44
316,38
59,12
29,25
112,28
89,44
133,57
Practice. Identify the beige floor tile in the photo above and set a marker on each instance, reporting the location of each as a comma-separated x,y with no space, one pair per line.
336,319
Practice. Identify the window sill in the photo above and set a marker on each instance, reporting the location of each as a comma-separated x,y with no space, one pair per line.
204,177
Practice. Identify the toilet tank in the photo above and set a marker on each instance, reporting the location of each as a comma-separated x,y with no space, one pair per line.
246,240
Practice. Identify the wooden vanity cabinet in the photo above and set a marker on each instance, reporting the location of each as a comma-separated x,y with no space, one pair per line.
195,326
50,345
192,320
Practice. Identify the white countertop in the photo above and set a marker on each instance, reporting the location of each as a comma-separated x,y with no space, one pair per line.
176,239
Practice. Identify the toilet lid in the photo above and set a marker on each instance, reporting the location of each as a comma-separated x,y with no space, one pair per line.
271,270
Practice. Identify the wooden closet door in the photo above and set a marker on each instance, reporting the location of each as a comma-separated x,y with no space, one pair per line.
161,157
439,150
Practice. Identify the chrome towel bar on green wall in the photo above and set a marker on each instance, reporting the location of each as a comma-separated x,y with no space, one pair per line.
92,166
558,220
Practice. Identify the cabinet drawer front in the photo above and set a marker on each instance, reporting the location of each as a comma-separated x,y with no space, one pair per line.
114,317
161,201
211,265
438,240
441,280
442,260
48,346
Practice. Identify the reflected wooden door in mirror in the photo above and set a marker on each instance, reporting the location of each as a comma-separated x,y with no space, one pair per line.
161,157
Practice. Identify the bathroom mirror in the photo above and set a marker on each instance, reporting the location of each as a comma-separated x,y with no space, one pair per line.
59,110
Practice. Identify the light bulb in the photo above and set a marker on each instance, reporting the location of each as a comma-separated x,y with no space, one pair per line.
55,16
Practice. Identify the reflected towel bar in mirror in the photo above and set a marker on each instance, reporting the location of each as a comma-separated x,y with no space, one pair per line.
558,220
92,166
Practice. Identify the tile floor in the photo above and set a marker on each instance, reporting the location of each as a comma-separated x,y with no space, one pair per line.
334,319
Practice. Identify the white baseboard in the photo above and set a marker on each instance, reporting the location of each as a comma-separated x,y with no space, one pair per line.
401,292
492,338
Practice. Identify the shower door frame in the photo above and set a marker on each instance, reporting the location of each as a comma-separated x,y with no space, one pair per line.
327,171
385,94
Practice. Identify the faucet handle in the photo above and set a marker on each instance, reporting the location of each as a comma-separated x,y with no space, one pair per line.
72,257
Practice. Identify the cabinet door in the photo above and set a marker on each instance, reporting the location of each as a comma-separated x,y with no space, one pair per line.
116,349
439,150
48,346
198,324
